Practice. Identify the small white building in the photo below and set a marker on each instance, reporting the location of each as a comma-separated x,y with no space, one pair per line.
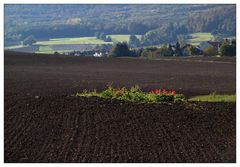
96,54
77,54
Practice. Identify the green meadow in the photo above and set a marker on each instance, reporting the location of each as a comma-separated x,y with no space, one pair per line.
85,40
197,38
46,46
15,47
215,98
80,40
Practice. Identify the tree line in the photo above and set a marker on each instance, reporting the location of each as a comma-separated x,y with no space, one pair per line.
227,48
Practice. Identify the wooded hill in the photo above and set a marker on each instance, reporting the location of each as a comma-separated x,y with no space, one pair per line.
164,22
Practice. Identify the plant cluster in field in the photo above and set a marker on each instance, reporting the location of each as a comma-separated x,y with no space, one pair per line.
134,94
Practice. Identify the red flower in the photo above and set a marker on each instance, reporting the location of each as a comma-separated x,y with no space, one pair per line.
163,91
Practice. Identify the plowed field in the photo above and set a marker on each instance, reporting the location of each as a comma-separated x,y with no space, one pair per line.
44,123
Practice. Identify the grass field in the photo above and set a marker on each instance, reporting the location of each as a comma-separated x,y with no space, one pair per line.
15,47
215,98
81,40
46,46
84,40
45,49
197,38
49,50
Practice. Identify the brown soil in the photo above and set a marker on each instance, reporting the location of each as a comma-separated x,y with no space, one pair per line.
43,123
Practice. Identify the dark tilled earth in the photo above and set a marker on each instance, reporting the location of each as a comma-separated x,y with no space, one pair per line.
44,123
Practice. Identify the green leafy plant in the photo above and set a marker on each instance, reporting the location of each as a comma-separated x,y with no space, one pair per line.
179,97
108,93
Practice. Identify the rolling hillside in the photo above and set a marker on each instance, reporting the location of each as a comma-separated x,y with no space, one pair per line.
61,21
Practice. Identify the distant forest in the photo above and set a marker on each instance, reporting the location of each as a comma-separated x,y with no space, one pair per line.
156,23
